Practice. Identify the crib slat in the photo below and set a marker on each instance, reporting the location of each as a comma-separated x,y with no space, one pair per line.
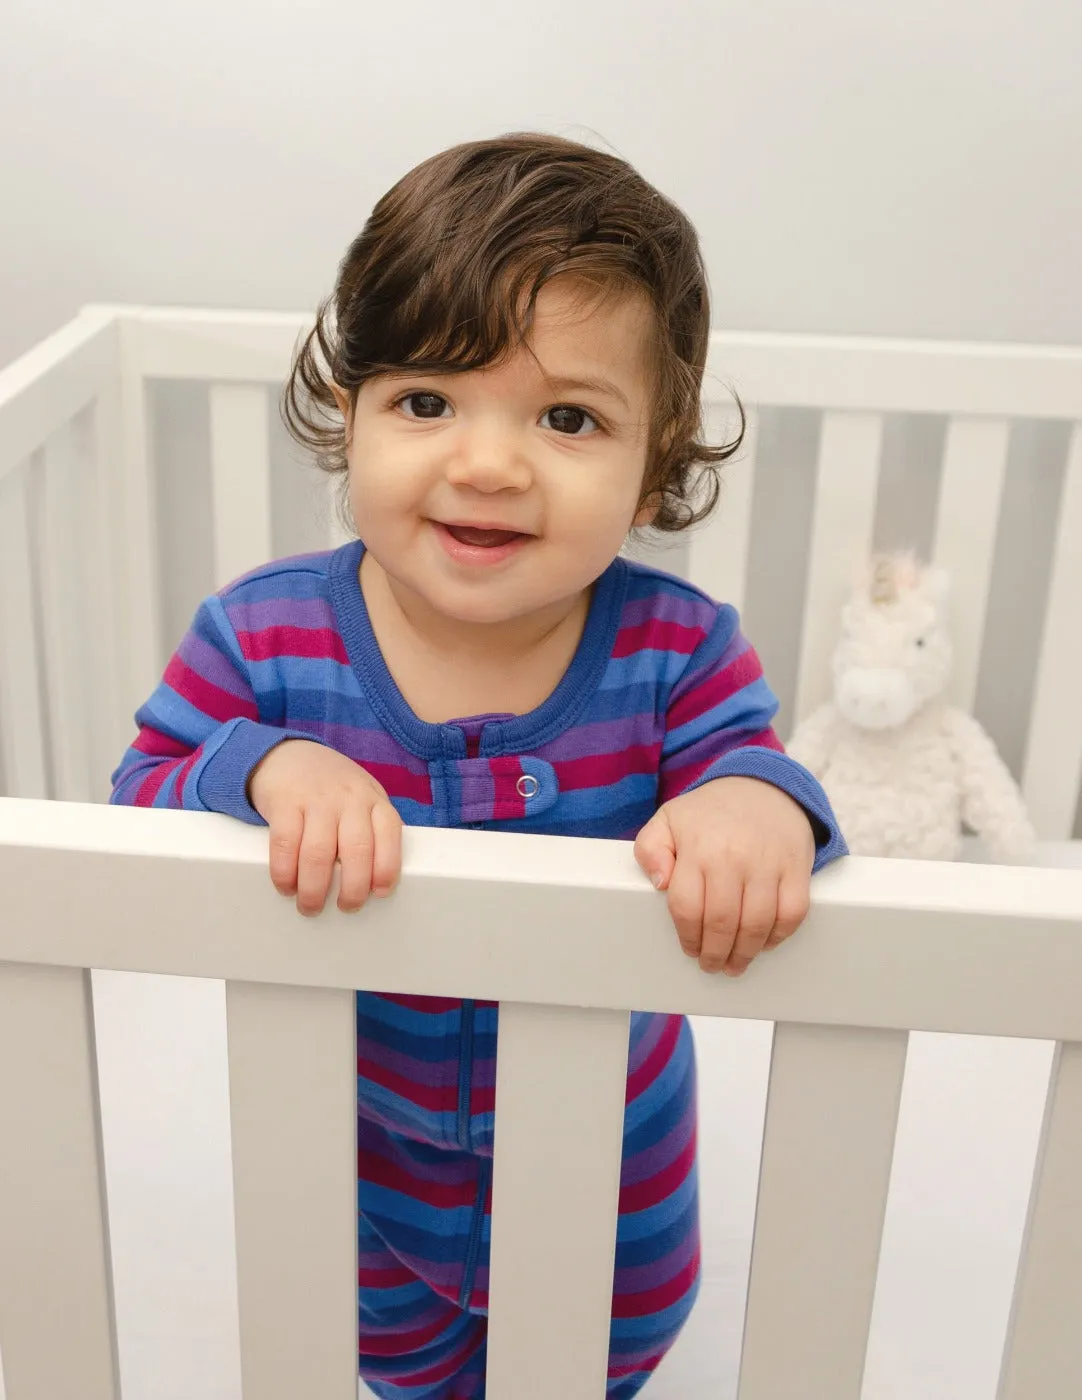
137,562
64,501
293,1093
842,532
1053,767
971,490
241,480
22,720
57,1327
832,1113
1044,1345
107,584
560,1085
718,549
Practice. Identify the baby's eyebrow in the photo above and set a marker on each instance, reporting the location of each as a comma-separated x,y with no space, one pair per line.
564,384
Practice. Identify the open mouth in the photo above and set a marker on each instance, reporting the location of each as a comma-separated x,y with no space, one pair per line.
474,545
482,539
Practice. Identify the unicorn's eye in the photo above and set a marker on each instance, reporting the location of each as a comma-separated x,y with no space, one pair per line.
921,641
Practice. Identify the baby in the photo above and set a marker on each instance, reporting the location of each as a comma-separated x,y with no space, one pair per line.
508,380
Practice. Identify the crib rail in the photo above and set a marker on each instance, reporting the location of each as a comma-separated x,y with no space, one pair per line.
567,935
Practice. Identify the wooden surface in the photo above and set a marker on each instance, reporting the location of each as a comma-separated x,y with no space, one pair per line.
293,1093
832,1110
560,1087
56,1294
544,919
1044,1344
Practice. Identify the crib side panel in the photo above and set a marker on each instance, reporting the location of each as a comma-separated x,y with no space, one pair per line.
69,595
970,495
965,429
1044,1346
718,550
831,1118
60,553
846,486
292,1085
560,1087
52,383
241,481
1053,767
57,1324
23,753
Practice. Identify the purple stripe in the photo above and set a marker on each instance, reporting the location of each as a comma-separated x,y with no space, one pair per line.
639,1278
478,788
212,665
644,1044
706,749
484,1073
738,645
282,612
606,736
434,1074
660,1154
373,745
687,609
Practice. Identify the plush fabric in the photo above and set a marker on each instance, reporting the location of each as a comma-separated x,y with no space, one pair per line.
905,771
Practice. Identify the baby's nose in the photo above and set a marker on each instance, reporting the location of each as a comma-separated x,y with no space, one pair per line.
491,461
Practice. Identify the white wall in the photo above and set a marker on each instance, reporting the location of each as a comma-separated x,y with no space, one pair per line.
909,169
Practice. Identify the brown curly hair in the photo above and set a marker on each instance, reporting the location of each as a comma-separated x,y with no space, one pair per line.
444,276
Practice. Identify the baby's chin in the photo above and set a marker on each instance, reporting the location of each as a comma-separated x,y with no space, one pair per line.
502,612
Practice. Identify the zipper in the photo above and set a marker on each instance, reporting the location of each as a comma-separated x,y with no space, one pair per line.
465,1073
473,1248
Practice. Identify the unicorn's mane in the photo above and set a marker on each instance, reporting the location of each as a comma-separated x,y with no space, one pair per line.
890,575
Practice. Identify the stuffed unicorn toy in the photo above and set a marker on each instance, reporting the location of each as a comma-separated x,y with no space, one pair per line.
903,769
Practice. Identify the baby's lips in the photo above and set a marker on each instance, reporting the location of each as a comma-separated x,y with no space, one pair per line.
482,538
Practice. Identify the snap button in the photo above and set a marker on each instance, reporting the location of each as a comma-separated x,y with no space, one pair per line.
527,786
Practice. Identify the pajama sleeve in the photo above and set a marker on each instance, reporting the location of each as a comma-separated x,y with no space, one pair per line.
200,735
718,724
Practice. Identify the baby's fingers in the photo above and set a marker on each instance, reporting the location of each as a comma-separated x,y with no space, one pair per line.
285,842
758,912
355,849
387,856
315,864
793,903
721,919
686,906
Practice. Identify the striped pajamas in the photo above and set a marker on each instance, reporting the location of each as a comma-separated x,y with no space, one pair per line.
422,1322
662,694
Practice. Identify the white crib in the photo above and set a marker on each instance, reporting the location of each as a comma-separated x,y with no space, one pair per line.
953,448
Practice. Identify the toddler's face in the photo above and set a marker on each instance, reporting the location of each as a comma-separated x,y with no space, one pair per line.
493,494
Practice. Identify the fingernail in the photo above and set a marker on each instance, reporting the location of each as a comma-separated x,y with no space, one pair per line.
657,879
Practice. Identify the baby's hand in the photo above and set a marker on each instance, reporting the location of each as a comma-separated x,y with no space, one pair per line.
736,857
321,807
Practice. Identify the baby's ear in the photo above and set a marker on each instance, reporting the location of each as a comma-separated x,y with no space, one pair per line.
342,399
647,511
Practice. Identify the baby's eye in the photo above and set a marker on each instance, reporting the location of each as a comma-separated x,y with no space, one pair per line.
568,420
423,404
